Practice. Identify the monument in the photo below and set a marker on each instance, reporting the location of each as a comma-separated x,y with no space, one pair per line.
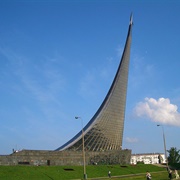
105,130
101,139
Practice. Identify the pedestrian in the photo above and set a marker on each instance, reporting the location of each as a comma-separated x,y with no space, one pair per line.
109,174
176,174
148,175
170,174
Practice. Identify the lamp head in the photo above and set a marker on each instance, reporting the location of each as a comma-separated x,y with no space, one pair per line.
76,117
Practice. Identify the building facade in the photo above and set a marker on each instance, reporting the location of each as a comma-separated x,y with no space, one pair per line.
148,158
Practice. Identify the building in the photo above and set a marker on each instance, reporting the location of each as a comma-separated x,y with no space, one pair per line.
148,158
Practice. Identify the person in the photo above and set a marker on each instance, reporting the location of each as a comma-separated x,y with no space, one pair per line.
170,174
176,174
109,174
148,175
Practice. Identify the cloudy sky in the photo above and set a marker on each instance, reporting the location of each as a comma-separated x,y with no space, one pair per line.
58,60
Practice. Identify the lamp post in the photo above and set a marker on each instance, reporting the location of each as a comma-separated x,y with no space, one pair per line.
164,140
83,151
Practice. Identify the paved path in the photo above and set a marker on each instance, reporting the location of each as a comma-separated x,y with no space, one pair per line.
121,176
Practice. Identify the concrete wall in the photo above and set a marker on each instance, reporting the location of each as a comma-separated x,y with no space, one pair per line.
38,157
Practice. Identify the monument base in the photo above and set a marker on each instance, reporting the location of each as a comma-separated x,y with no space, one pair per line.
55,158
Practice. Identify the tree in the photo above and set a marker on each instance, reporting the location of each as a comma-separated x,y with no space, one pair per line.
174,156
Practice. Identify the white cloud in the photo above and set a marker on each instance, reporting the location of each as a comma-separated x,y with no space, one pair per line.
131,140
160,111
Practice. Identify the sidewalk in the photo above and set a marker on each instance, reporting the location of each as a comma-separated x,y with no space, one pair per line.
120,176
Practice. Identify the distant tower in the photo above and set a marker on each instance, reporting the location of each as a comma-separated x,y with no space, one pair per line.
105,130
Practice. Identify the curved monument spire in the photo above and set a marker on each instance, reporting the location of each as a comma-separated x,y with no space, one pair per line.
105,130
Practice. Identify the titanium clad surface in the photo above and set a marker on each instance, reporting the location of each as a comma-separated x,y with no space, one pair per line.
105,130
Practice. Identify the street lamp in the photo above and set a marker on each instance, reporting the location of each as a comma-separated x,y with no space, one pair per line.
83,151
164,145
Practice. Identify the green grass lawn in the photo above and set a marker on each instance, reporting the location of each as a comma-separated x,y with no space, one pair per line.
76,172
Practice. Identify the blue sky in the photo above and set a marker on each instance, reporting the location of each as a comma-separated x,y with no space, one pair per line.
58,60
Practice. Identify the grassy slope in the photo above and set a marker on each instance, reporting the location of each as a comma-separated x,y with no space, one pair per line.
58,172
